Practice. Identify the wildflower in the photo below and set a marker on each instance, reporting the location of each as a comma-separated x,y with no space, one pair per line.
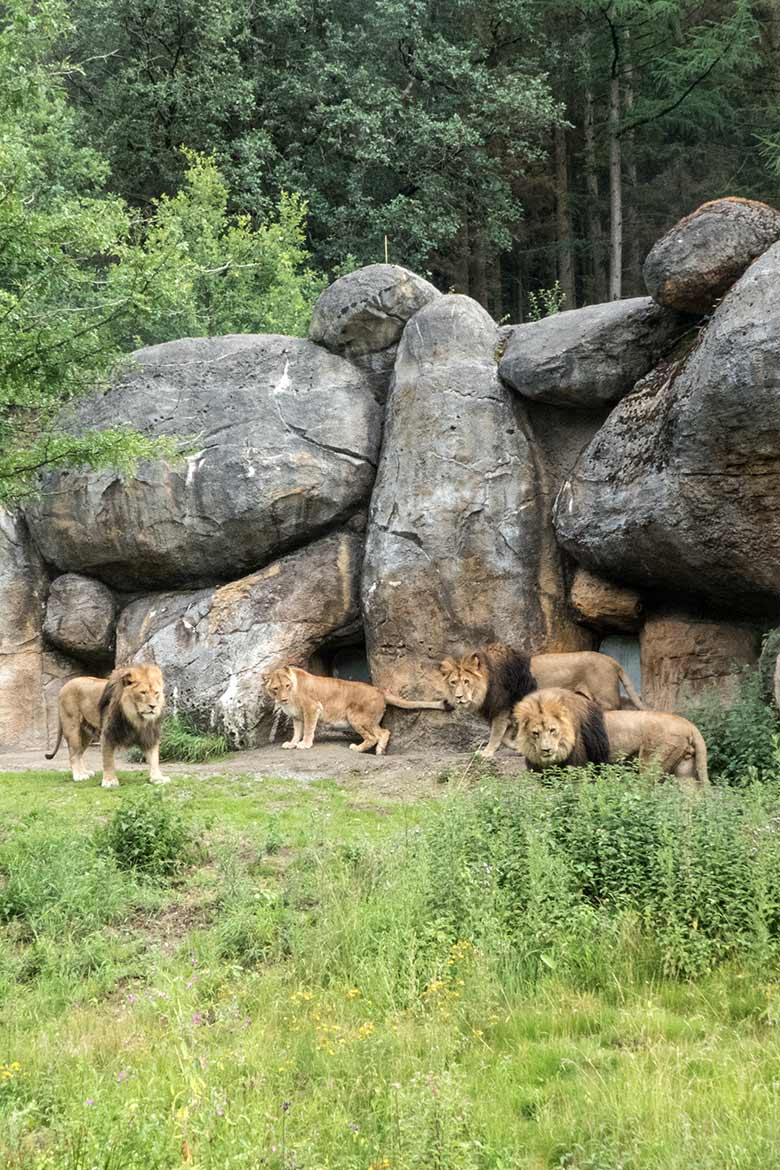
353,993
286,1105
197,1019
120,1076
220,1111
90,1101
355,1128
131,999
365,1030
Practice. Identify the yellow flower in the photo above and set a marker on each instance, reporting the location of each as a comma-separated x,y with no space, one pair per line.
365,1030
353,993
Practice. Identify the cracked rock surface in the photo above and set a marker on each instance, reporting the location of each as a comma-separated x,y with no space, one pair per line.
680,489
213,645
459,548
284,440
365,311
80,615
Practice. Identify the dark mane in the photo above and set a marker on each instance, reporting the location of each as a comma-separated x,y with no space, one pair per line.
594,734
117,728
509,679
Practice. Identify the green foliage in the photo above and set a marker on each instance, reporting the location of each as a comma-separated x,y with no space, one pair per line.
148,835
545,302
562,874
743,736
180,740
212,271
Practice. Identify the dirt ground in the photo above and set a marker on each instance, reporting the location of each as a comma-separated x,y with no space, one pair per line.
400,775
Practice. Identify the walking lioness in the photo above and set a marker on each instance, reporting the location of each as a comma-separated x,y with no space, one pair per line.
309,698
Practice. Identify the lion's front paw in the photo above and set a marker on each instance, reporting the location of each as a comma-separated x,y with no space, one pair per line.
303,746
77,776
290,743
111,782
486,753
159,779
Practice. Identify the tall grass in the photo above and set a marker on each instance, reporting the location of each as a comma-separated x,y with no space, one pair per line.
743,736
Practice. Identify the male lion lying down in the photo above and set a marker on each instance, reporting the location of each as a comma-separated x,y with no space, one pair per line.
556,726
126,709
309,698
492,679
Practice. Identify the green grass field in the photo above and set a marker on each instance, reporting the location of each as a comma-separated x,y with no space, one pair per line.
298,976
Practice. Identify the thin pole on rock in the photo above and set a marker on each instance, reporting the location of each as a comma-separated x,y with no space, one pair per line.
386,250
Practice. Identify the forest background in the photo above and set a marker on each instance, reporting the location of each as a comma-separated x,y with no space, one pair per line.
190,167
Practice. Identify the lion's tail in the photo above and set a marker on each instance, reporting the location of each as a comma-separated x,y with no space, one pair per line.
416,704
630,689
52,754
700,749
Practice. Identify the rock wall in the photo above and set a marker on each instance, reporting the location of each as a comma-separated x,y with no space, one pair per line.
413,476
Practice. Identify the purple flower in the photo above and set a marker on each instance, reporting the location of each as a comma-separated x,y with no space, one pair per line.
197,1019
220,1111
120,1076
90,1101
131,999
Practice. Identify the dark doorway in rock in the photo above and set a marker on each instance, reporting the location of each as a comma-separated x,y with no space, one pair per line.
624,648
347,660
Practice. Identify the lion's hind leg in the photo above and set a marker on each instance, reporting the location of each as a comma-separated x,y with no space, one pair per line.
78,740
369,734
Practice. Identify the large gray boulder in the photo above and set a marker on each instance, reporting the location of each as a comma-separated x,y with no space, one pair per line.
589,357
213,645
23,586
680,488
286,439
699,259
80,617
365,311
459,548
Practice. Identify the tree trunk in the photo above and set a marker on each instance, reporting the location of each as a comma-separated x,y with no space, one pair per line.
563,219
477,268
633,269
615,192
598,284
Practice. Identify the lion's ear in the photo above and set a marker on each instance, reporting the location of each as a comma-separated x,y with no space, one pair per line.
287,671
475,662
265,678
447,666
125,676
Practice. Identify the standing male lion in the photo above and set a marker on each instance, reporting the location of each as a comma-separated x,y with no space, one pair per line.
491,680
126,708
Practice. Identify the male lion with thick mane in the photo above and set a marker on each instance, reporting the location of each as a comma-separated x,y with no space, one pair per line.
309,698
126,708
491,680
675,744
556,726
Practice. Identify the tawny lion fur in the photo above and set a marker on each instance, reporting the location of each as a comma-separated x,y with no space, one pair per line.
492,679
556,726
671,742
310,698
126,708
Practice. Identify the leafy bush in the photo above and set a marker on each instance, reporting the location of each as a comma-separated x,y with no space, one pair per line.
743,738
562,874
180,740
148,835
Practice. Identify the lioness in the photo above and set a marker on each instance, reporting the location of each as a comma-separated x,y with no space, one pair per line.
557,726
126,709
310,697
491,680
672,742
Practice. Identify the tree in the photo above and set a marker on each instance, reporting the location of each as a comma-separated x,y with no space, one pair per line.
82,279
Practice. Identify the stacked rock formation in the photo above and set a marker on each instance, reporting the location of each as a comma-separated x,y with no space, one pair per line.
417,479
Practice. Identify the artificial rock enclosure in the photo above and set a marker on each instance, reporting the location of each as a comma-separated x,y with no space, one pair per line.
413,480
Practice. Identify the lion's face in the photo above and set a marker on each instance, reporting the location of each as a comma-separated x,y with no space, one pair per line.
466,680
143,694
279,684
545,732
